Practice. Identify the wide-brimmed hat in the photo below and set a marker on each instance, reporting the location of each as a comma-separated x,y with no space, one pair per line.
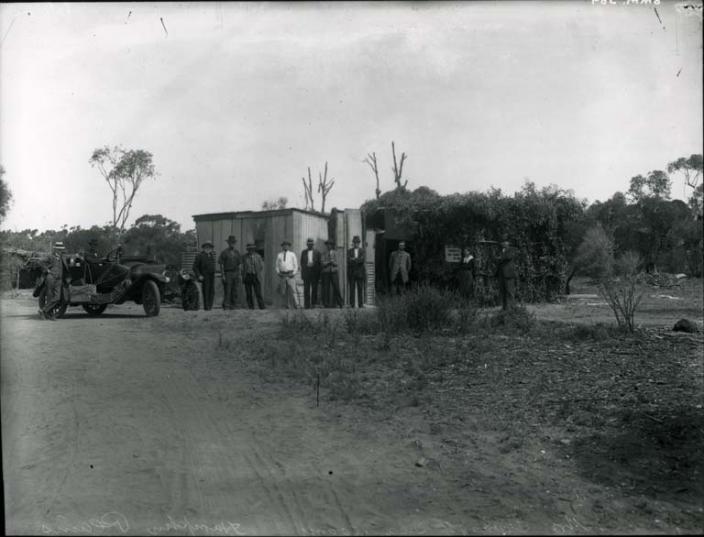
250,245
356,239
231,238
310,241
206,243
286,241
59,246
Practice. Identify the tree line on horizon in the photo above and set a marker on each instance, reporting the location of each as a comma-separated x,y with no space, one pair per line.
547,225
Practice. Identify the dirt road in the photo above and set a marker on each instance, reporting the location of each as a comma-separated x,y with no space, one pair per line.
126,424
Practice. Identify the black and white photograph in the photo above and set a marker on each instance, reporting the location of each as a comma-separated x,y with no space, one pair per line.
352,268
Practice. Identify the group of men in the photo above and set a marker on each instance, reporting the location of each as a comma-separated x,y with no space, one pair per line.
315,267
235,268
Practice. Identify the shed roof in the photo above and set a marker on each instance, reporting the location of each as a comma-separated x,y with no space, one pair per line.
254,214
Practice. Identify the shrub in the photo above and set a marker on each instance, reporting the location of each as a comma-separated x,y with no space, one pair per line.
419,310
622,292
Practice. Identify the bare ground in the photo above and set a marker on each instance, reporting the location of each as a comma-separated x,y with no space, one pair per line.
126,424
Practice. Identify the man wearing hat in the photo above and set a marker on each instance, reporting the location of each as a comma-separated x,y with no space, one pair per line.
286,268
55,270
399,268
310,272
252,269
506,273
230,261
331,287
204,269
356,272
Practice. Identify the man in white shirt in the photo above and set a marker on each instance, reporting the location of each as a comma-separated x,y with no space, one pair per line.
286,268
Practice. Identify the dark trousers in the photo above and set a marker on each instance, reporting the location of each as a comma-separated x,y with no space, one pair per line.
358,285
252,285
53,293
331,290
507,288
230,282
398,286
310,290
208,284
466,284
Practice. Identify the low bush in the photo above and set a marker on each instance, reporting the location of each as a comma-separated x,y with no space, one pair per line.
419,310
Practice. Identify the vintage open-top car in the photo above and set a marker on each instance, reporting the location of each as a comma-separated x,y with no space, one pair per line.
97,282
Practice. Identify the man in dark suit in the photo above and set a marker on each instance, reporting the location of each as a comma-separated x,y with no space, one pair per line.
356,272
230,262
310,272
331,289
252,270
506,273
204,269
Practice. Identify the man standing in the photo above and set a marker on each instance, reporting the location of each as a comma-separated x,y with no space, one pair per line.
399,267
204,269
356,272
310,272
331,287
230,261
55,271
252,268
506,273
286,268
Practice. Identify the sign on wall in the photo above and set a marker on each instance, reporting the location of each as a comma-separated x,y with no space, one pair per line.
453,254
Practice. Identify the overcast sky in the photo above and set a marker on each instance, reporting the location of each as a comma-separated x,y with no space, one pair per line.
235,101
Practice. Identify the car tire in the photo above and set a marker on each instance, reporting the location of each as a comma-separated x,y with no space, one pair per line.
151,298
94,309
59,309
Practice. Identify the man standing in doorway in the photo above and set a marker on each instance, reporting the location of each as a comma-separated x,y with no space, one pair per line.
331,287
230,261
286,268
204,269
310,272
252,269
399,268
356,272
506,273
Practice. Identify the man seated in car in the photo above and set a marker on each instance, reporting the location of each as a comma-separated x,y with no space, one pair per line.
92,255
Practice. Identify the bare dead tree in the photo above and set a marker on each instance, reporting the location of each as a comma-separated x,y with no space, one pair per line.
324,186
308,191
398,169
371,160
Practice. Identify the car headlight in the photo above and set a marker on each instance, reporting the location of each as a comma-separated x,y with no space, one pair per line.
167,279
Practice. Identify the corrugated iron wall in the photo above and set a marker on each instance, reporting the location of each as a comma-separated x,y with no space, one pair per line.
267,231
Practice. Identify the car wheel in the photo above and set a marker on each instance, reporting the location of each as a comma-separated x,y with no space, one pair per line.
151,299
94,309
59,309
